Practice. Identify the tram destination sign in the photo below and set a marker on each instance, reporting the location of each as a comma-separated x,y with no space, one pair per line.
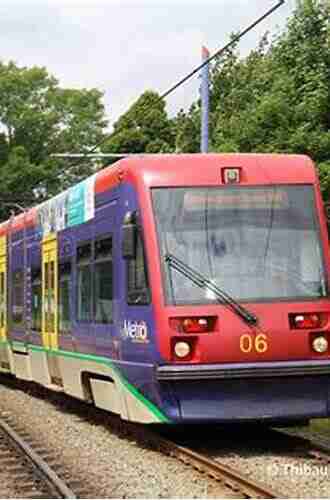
237,199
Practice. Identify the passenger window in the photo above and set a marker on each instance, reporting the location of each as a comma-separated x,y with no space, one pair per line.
138,288
51,297
103,248
84,254
84,281
36,300
64,297
103,281
18,298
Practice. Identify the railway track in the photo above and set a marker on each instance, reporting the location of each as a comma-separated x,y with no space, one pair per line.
237,484
236,481
240,484
316,447
24,471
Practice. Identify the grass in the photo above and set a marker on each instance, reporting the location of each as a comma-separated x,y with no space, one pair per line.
321,426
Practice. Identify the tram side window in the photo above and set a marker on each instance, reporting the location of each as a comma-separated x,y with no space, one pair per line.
84,280
18,298
138,287
103,279
36,299
64,297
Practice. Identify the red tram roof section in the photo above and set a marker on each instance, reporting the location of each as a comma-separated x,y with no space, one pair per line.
205,169
191,170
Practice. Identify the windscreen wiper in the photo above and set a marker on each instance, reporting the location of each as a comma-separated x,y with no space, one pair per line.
203,282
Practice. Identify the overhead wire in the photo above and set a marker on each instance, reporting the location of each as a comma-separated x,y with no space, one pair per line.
183,80
234,40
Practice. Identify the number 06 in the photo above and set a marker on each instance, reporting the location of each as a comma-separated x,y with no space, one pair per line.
247,343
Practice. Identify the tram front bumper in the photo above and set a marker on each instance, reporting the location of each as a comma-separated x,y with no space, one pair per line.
271,391
243,370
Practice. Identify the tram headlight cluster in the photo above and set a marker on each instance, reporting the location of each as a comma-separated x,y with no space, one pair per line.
320,344
182,349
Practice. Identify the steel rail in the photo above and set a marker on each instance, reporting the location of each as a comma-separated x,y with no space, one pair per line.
225,475
215,469
47,473
317,446
320,456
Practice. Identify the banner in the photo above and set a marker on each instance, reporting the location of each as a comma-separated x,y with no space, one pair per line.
70,208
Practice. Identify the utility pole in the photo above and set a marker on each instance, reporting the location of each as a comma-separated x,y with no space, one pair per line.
204,66
205,101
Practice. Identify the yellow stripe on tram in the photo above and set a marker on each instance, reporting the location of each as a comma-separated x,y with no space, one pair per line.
3,287
50,292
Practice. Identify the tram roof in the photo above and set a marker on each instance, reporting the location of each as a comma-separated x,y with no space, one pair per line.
205,169
172,170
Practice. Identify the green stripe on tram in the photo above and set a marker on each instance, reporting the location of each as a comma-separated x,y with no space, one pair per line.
101,360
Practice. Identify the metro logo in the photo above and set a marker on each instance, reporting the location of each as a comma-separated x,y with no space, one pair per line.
136,331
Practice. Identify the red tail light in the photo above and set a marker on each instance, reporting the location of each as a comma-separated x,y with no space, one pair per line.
200,324
307,321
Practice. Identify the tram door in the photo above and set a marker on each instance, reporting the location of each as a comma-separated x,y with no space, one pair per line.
49,292
3,288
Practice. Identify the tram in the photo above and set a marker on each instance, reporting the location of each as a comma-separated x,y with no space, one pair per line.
175,289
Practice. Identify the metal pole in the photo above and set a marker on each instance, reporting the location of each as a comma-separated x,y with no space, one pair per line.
205,102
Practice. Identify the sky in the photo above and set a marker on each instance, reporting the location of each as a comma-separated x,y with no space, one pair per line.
126,47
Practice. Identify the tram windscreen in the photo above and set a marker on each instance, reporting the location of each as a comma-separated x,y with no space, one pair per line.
256,243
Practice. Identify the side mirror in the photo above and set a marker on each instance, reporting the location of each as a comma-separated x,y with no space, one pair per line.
130,230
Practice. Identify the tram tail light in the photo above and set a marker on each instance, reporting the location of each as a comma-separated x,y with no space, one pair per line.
200,324
308,321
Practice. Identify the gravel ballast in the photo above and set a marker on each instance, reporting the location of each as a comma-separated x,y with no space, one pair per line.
292,476
271,458
110,465
106,464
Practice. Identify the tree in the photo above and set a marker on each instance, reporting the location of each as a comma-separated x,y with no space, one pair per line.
38,118
278,98
16,175
302,54
187,130
144,128
4,149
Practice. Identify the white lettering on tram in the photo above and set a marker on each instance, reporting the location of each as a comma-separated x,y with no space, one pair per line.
136,331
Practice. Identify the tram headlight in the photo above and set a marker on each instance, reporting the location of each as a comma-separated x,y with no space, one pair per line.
182,349
320,344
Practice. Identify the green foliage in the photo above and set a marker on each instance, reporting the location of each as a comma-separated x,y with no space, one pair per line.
277,99
16,175
324,176
186,127
144,128
4,149
38,118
